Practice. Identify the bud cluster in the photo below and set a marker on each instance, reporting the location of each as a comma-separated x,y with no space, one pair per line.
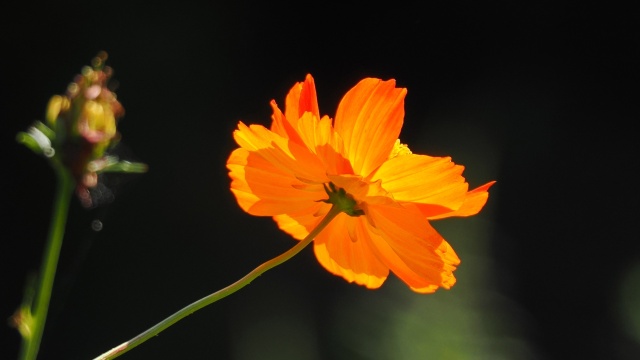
81,126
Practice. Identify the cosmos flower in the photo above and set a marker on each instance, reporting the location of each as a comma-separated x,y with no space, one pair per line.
289,171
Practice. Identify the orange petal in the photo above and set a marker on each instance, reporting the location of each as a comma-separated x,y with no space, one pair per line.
265,190
302,98
355,186
474,202
342,250
435,183
282,126
320,138
369,120
411,248
285,155
299,223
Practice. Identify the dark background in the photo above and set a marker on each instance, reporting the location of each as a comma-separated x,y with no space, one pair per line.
541,97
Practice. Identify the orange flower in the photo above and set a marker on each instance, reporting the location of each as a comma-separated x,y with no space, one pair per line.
288,172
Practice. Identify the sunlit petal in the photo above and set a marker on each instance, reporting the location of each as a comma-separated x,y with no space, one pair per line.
282,126
474,202
343,251
435,183
411,248
331,149
302,98
369,120
299,223
360,189
265,190
282,153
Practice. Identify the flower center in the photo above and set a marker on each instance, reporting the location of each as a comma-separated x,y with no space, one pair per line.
343,201
399,149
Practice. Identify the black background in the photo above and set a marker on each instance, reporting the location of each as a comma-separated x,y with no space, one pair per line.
541,97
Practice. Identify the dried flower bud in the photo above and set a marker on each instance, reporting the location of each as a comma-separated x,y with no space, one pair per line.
80,127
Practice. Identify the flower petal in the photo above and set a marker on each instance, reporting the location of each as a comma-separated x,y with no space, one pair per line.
342,249
265,190
285,155
411,248
369,120
474,202
282,126
320,138
299,223
302,98
435,183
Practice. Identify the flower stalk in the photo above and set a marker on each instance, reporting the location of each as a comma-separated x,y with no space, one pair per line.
31,323
220,294
78,132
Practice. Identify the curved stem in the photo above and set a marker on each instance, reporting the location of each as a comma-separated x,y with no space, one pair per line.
207,300
31,343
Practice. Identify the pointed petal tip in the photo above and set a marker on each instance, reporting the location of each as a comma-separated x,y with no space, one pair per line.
484,187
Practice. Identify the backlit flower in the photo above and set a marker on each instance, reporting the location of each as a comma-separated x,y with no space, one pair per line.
289,170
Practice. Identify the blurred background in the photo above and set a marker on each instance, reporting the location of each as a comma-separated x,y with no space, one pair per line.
541,97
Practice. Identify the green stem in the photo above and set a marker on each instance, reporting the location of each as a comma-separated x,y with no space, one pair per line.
209,299
31,344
